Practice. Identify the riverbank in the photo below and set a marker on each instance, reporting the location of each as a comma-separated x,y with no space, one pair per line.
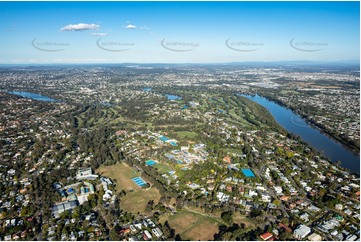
34,96
327,146
350,146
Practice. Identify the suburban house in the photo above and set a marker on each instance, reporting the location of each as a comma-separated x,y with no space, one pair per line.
266,236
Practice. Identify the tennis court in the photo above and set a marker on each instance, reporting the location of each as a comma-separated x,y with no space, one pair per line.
139,181
248,172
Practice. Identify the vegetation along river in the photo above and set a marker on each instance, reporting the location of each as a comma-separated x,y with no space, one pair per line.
293,123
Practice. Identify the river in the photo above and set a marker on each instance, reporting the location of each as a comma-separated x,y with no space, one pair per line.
295,124
34,96
172,97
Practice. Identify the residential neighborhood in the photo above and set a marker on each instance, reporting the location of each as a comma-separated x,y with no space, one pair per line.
168,159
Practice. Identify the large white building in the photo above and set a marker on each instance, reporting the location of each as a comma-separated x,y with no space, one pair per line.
61,207
301,232
85,174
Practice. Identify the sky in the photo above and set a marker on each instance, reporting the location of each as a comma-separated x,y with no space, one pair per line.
178,32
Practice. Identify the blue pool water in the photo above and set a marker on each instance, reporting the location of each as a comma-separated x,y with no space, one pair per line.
173,97
163,138
247,172
185,107
173,143
150,162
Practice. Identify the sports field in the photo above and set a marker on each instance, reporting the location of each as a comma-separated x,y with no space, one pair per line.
163,168
123,175
186,134
193,226
137,201
139,181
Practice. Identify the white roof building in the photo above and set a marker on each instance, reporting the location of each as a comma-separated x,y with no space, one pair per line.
278,189
85,173
252,193
314,237
302,231
146,232
157,232
339,206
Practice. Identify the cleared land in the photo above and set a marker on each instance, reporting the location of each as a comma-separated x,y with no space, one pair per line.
241,219
193,226
186,134
137,201
122,173
162,168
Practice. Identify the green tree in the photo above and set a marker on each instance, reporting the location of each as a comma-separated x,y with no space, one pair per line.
76,212
227,217
277,202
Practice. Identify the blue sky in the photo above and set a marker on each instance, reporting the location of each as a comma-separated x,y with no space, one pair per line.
178,32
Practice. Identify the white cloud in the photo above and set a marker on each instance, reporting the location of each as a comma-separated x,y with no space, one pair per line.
130,26
99,34
79,27
144,27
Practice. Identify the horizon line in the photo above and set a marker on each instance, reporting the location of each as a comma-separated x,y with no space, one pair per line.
185,63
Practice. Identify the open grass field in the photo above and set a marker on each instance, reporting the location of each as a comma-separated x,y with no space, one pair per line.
137,201
186,134
239,219
193,226
109,115
122,173
162,168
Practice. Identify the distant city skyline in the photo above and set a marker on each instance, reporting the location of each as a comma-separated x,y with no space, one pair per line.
178,32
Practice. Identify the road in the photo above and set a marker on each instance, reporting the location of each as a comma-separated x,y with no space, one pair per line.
271,192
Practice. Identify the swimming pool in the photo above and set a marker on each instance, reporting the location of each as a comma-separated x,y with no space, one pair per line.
150,162
163,138
173,143
247,172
